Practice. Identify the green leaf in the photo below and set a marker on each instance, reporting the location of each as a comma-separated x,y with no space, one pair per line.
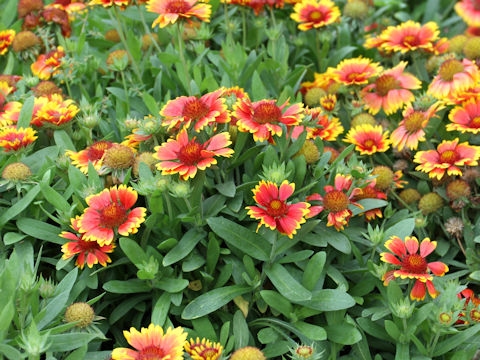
6,316
26,113
40,230
392,329
171,285
240,238
277,302
133,251
78,354
9,14
329,300
368,204
184,247
286,284
212,300
54,198
10,352
150,102
63,140
12,238
313,270
336,239
227,188
456,340
258,89
240,330
69,341
401,229
19,206
343,333
160,309
126,287
313,332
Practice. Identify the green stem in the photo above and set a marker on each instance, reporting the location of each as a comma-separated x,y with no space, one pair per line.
124,83
227,22
272,15
402,201
434,344
147,29
244,27
182,57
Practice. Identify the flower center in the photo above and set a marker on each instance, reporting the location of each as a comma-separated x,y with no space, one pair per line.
88,245
316,15
276,208
353,76
113,215
414,264
475,122
267,113
385,83
449,68
368,143
414,121
208,353
151,353
190,154
177,7
96,150
195,109
335,200
367,193
304,351
448,156
475,315
411,40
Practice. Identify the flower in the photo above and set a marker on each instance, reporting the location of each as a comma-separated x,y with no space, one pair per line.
326,128
368,139
57,111
48,64
87,251
413,265
454,76
81,312
94,154
390,91
465,118
185,156
469,11
356,71
447,157
370,192
16,171
9,113
273,210
262,118
109,211
185,110
248,353
315,14
171,10
203,349
410,36
13,139
152,343
336,201
6,38
328,102
108,3
410,130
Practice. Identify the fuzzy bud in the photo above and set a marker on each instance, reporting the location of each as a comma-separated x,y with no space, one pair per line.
81,312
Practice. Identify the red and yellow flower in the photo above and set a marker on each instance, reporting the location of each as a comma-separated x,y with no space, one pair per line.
203,349
152,343
469,11
109,211
185,110
171,10
328,102
454,76
94,154
326,81
410,36
315,14
391,90
6,38
368,139
447,158
370,192
413,265
410,130
356,71
13,139
336,200
465,118
273,211
9,113
56,111
185,157
109,3
48,64
326,128
262,118
88,251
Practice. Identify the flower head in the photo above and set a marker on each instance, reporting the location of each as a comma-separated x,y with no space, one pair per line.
315,14
371,192
469,11
56,111
325,127
465,118
9,113
447,158
410,36
109,211
81,312
356,71
48,64
6,38
368,139
454,76
273,211
16,171
94,154
109,3
203,349
13,139
413,264
171,10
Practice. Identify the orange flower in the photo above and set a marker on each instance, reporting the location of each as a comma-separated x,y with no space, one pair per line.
368,139
9,113
413,265
273,210
465,118
261,118
185,156
370,192
13,139
454,76
89,251
232,96
6,38
469,11
356,71
323,80
410,130
152,343
315,14
410,36
185,110
108,211
326,128
336,201
56,111
108,3
171,10
391,90
94,154
203,349
448,156
48,64
328,102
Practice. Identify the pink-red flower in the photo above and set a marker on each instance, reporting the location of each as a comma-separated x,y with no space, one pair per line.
313,14
454,76
273,211
356,71
325,127
13,139
94,154
465,118
6,38
370,192
185,157
368,139
171,10
48,64
203,349
413,264
56,111
469,11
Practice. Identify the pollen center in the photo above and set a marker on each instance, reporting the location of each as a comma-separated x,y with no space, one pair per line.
96,150
448,156
87,245
475,122
353,76
113,215
449,68
208,353
316,15
276,208
369,143
267,113
415,264
411,40
414,121
190,154
367,193
151,353
335,200
385,83
177,7
195,109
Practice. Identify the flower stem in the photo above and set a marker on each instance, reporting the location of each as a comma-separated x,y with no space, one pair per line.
182,57
147,29
244,27
126,92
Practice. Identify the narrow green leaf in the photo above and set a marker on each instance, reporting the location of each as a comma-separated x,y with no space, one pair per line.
160,309
240,330
184,247
69,341
126,287
329,300
277,302
26,113
19,206
456,340
314,269
286,284
133,251
343,333
40,230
